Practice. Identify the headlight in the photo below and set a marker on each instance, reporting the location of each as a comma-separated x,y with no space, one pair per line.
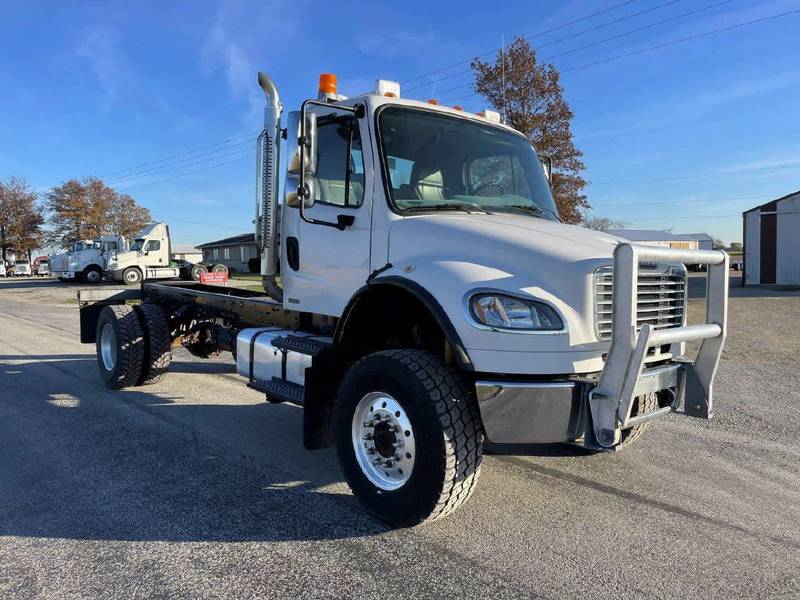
508,312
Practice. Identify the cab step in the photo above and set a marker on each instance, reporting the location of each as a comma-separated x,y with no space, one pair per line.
303,345
278,390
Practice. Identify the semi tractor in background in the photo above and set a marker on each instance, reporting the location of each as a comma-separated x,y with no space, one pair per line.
109,258
85,260
421,296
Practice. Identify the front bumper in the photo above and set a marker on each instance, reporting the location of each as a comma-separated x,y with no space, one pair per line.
597,409
64,274
538,412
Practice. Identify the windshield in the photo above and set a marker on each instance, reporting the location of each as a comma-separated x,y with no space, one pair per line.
136,246
440,162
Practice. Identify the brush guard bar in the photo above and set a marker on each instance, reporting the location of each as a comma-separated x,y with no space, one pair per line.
611,400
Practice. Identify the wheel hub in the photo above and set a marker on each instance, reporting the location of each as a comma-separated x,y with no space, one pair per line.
108,346
383,441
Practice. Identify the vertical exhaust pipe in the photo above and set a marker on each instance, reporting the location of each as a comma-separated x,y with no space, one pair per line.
267,164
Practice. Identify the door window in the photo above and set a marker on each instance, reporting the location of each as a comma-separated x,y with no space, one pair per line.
152,246
340,173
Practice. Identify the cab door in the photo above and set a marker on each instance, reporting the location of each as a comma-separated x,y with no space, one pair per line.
323,266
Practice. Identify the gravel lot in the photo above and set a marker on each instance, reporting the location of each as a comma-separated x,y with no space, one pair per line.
197,488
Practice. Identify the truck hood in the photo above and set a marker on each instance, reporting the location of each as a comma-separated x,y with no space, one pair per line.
499,237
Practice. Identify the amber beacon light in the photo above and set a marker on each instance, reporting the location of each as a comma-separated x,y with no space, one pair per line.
327,84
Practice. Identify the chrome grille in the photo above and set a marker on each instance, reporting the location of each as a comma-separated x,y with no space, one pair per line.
661,299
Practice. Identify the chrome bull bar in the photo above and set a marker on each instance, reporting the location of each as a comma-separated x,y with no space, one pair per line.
611,400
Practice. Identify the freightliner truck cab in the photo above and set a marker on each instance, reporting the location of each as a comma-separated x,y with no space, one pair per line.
422,296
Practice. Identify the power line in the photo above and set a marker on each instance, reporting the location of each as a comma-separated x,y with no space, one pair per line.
608,39
569,37
563,25
182,154
681,40
183,174
653,48
211,156
681,201
792,165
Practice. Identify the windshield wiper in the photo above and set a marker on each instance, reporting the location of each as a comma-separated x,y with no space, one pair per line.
533,208
467,207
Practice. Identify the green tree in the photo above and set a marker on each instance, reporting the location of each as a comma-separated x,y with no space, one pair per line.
532,101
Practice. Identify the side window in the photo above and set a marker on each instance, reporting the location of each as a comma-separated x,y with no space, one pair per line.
336,167
226,253
497,175
152,246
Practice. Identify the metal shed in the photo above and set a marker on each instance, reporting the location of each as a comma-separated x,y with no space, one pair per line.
772,242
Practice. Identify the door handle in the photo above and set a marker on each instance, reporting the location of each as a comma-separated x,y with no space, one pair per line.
343,221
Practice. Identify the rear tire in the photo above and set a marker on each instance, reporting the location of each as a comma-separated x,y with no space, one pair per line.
430,412
131,276
120,346
220,269
157,343
196,270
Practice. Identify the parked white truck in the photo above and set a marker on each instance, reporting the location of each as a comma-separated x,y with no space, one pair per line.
427,298
149,257
85,260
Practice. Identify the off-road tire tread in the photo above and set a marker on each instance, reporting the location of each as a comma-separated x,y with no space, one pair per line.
130,354
647,403
157,343
460,421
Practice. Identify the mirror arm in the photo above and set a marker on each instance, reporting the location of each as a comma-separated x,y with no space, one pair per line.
304,142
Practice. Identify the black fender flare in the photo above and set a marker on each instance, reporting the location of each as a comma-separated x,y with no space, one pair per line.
428,301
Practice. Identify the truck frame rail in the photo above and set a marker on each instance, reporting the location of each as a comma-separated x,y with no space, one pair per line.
612,399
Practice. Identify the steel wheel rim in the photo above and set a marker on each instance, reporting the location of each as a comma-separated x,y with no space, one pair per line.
108,346
132,276
383,441
93,276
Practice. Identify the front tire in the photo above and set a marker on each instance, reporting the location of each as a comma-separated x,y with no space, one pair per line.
92,275
131,276
408,436
120,346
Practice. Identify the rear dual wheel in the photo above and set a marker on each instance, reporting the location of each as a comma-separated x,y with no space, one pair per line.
133,345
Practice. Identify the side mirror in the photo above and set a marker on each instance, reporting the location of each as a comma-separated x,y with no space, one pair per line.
547,166
303,161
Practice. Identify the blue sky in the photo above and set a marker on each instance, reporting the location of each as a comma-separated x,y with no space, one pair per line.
685,137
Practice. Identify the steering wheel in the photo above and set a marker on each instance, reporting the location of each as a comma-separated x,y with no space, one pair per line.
477,191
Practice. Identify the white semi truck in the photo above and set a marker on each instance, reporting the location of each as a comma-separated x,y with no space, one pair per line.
150,257
426,298
85,260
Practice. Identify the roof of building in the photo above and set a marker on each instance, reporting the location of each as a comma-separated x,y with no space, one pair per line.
700,237
772,204
236,240
655,235
185,249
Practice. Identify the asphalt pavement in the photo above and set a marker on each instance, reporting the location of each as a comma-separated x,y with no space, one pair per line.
195,487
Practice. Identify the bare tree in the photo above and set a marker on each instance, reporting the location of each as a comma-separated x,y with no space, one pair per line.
532,100
718,244
599,223
21,218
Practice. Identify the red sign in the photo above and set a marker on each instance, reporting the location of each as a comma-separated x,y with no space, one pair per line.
214,278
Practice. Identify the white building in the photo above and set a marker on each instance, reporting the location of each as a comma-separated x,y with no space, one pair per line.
186,252
665,239
772,242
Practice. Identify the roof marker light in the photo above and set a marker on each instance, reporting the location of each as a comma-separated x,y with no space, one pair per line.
433,101
390,89
458,107
490,115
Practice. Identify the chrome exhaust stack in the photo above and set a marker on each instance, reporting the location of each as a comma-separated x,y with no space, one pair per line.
267,164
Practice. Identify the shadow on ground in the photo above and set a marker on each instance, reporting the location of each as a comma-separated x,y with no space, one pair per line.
78,461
